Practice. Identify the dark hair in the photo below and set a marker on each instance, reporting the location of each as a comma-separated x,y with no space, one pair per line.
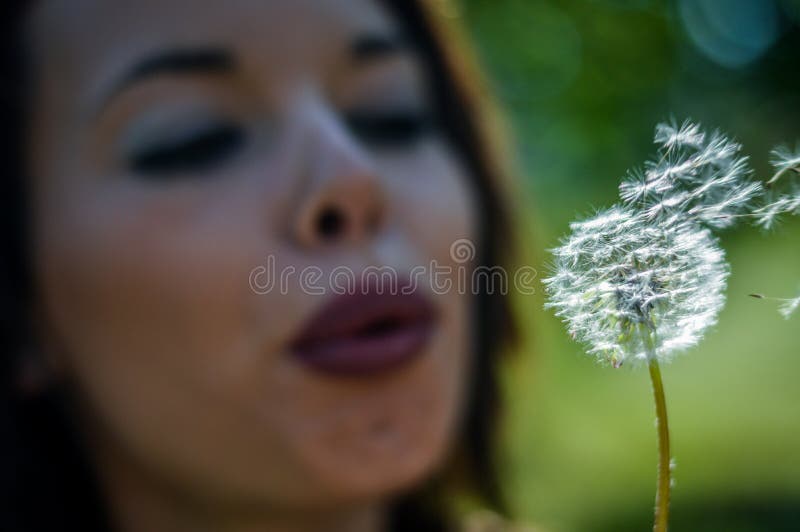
46,481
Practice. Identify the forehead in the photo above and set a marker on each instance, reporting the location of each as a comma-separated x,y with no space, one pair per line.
81,37
84,21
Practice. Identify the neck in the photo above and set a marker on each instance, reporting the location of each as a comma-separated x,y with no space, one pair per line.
139,502
139,513
138,506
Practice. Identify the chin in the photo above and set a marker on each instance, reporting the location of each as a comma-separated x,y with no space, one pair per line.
382,477
379,454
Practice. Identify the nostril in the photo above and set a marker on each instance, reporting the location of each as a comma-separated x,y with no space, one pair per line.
330,223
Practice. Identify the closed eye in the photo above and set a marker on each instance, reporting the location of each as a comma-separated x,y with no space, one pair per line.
390,129
197,152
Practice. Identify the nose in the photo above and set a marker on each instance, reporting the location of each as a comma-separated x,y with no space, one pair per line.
343,202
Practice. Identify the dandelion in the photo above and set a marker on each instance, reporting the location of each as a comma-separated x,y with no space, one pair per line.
631,288
643,280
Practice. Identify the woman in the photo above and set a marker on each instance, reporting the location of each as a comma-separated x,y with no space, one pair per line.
163,159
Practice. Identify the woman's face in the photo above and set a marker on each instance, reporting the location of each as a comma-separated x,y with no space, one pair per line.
175,148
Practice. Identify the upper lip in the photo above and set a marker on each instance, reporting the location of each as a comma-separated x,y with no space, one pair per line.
364,315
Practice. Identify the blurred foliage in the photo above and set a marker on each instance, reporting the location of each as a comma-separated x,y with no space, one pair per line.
584,82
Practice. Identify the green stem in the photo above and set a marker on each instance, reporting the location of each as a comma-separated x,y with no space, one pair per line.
664,473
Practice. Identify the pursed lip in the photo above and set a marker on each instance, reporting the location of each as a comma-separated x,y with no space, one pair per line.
371,330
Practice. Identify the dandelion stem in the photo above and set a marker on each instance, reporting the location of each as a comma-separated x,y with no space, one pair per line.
664,473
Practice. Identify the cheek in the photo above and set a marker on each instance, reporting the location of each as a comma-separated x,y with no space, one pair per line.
146,295
123,276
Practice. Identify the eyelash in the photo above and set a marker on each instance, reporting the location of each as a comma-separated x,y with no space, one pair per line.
199,152
209,147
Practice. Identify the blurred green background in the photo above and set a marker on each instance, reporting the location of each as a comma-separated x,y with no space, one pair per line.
584,83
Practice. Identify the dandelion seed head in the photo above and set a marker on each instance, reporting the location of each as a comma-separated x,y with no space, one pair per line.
621,276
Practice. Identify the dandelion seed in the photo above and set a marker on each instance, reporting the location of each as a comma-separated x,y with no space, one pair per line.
789,307
784,160
783,196
671,136
769,214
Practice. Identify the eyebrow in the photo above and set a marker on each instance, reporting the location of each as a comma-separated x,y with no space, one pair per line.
369,47
190,61
179,61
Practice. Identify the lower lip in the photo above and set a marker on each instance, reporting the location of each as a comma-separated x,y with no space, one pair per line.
365,355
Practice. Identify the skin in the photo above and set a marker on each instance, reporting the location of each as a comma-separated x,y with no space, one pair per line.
197,416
